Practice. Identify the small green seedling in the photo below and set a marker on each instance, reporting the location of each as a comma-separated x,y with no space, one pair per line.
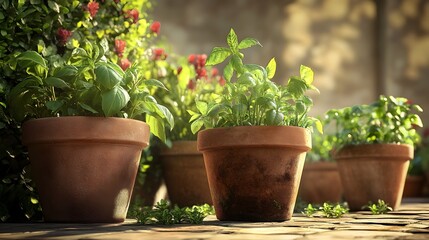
163,213
378,208
327,210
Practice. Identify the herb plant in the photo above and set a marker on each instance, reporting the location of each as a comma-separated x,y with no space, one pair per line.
388,120
87,85
322,145
253,99
378,208
326,210
163,213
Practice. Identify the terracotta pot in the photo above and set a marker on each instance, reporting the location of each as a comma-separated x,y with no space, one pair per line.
413,186
373,171
320,183
254,171
185,174
85,167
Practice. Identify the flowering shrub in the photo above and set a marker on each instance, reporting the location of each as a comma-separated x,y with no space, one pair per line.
54,29
187,81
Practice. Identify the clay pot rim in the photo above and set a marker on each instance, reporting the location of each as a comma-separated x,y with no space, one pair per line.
133,132
382,151
261,136
180,147
321,166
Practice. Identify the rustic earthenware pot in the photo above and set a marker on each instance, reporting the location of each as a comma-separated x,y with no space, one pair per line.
373,171
254,171
320,183
185,174
85,167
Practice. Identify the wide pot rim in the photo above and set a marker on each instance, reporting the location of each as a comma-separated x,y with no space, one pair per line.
85,129
255,136
376,150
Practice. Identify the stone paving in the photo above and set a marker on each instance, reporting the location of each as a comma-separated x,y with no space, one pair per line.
411,221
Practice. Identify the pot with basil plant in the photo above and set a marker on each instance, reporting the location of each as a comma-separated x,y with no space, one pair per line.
83,142
256,137
375,144
182,164
320,180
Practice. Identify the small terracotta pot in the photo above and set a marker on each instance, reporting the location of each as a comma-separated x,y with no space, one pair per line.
254,171
85,167
320,183
185,174
413,186
373,171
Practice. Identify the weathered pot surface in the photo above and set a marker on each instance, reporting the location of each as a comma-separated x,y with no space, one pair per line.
254,172
85,167
373,171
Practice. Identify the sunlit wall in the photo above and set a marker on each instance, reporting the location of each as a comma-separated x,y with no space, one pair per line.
358,48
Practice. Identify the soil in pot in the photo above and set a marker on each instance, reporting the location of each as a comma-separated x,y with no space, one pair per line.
373,171
254,172
320,183
85,167
185,174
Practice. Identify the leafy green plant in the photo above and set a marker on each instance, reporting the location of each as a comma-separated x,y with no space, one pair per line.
187,80
163,213
388,120
253,99
378,208
322,145
326,210
87,85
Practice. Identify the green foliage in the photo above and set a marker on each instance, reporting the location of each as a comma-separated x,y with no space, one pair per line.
253,99
322,145
327,210
420,164
163,213
378,208
388,120
87,85
185,87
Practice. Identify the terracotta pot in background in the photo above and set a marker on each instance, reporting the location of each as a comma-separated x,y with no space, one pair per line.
320,183
373,171
254,172
413,186
185,174
85,167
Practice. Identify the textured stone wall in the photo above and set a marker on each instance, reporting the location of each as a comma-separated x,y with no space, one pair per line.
339,39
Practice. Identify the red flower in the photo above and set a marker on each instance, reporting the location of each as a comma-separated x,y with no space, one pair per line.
409,102
215,72
117,1
179,70
192,58
222,81
155,27
63,35
191,84
134,14
159,54
201,60
92,8
120,47
125,63
201,72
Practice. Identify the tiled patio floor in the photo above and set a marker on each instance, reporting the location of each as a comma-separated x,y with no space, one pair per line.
410,222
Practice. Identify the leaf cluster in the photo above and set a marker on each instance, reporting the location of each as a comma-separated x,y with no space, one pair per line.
378,208
87,85
163,213
327,210
253,99
388,120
